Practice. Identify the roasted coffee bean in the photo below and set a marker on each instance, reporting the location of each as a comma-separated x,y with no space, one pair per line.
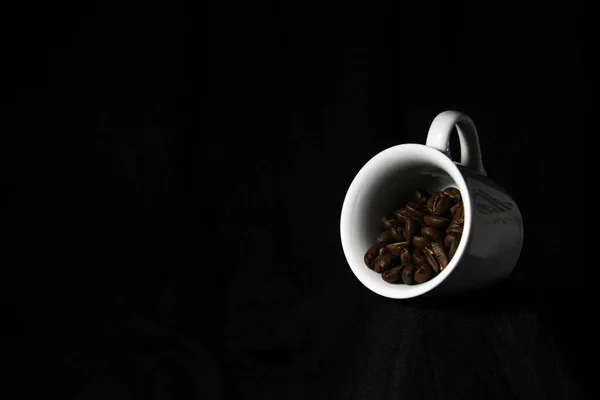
450,238
433,234
435,221
458,217
453,247
415,209
430,259
453,208
417,220
390,222
409,230
405,256
384,237
409,227
453,192
397,233
418,257
392,275
372,254
396,248
439,253
421,197
423,274
441,203
383,262
401,213
454,229
408,273
430,202
420,242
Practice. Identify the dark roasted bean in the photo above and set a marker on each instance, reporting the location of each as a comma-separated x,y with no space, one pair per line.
441,203
423,274
392,275
409,227
453,208
439,253
384,237
430,203
383,262
453,192
401,213
418,257
397,233
449,239
420,242
396,248
454,229
453,247
431,260
390,222
435,221
408,273
415,209
372,254
459,215
433,234
421,197
405,256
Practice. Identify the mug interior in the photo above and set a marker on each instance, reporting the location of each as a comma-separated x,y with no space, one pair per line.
383,185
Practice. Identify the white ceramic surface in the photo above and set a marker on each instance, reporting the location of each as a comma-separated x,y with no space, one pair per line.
493,229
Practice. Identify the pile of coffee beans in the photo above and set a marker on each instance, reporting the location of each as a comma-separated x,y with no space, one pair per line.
419,240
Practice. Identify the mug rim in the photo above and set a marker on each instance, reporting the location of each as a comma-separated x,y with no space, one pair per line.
386,159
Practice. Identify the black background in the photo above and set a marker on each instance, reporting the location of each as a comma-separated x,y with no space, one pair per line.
175,175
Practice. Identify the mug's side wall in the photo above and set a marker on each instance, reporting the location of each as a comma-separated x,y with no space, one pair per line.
495,241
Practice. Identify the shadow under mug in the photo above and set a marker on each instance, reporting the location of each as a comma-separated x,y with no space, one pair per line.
492,236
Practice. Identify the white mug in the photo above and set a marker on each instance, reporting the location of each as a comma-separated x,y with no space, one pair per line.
493,227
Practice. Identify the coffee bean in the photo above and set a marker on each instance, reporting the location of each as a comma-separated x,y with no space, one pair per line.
441,203
454,229
395,248
449,239
453,208
390,222
418,257
405,256
415,209
383,262
420,242
436,221
409,227
423,274
430,203
459,215
397,233
439,253
453,192
433,234
372,254
384,237
430,259
453,247
392,275
402,213
421,197
408,274
420,239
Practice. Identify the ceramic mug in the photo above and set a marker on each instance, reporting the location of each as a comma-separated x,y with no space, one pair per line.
493,227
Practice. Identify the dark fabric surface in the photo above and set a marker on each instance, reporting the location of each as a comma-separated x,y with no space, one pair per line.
175,178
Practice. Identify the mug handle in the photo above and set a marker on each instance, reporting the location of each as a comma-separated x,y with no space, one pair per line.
439,138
